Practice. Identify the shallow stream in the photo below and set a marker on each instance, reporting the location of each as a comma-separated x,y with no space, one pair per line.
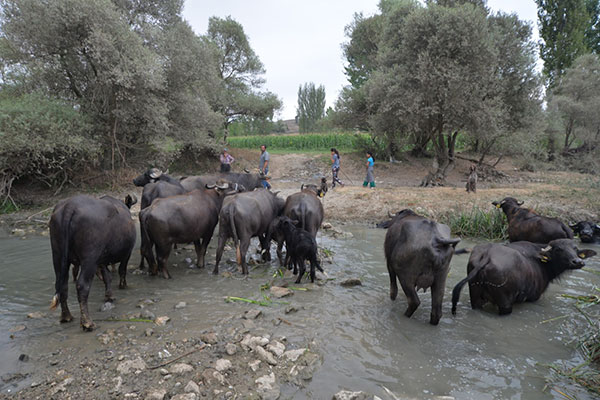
366,342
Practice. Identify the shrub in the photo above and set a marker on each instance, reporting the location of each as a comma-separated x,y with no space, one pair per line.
477,223
41,139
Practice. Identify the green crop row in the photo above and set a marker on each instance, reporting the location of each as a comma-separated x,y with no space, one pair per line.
313,141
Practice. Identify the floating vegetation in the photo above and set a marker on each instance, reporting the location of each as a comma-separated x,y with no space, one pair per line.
587,373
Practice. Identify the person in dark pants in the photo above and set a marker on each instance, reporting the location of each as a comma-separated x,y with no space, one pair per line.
226,160
263,165
335,167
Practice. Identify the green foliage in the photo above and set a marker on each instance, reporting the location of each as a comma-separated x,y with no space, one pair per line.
477,223
311,106
592,33
573,110
324,142
419,73
41,138
563,25
240,71
247,126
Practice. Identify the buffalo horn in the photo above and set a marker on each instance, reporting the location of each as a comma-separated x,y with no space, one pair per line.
210,186
223,186
519,203
598,227
572,226
155,173
134,199
302,187
547,248
390,214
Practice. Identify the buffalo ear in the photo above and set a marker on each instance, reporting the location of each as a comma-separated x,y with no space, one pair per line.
130,200
573,226
586,253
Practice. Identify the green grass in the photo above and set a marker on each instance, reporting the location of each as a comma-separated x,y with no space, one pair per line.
8,207
477,223
304,142
586,374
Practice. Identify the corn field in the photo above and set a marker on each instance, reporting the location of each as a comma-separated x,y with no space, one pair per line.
314,141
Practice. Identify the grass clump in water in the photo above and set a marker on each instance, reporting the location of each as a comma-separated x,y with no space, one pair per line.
478,223
586,374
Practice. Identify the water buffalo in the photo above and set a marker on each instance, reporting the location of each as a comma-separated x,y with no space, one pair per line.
188,217
244,216
589,232
300,246
89,233
156,185
320,190
505,274
248,181
418,253
306,208
525,225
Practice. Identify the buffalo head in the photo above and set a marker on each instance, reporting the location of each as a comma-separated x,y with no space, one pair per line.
563,252
510,201
147,177
586,230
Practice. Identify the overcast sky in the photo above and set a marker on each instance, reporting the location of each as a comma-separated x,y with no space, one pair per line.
300,42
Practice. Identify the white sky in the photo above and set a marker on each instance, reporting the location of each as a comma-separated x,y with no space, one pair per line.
300,42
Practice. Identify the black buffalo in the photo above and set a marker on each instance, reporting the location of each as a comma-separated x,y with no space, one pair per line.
300,246
89,233
525,225
188,217
156,185
505,274
306,208
319,190
589,232
244,216
418,253
248,181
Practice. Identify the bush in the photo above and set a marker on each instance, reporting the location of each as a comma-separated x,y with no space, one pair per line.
41,139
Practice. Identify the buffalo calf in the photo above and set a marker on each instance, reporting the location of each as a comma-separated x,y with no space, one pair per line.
418,253
300,246
505,274
89,233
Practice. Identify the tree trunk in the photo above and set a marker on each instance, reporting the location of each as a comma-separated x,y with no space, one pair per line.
420,146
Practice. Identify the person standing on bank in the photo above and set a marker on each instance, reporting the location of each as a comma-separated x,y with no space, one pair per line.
335,167
226,160
263,165
369,180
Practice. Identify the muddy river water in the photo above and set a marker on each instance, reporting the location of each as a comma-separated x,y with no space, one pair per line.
366,342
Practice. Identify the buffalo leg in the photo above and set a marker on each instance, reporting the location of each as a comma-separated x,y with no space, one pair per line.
476,295
437,297
143,245
220,248
123,272
63,294
244,244
84,283
280,253
265,246
504,310
162,256
411,297
75,272
107,278
393,282
301,269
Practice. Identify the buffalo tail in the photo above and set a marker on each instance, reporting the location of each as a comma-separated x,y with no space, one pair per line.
459,285
236,241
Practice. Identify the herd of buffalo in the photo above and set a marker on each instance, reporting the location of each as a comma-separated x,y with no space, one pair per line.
91,233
